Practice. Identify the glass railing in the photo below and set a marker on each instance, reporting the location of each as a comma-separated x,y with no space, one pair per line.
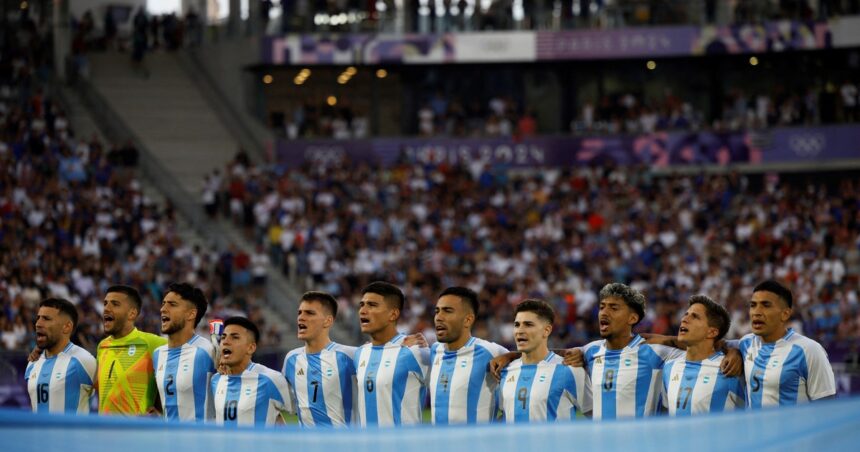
443,16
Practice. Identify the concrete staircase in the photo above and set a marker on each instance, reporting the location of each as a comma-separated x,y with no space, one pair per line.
176,126
167,112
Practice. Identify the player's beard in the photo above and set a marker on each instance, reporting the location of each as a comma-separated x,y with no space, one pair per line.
118,326
174,326
49,342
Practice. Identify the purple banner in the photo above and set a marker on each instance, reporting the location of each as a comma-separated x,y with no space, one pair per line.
358,49
812,144
620,43
776,36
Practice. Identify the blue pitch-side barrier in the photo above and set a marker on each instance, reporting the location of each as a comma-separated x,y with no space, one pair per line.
831,425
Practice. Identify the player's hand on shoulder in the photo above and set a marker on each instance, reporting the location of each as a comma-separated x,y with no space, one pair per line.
574,357
415,339
659,339
733,363
498,364
34,355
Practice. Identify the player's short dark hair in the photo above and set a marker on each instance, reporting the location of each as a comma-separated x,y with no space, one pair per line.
634,299
244,323
130,292
324,298
192,294
467,295
64,306
391,293
541,308
776,288
717,315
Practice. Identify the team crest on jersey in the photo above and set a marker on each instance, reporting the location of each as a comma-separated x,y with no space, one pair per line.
774,363
542,378
329,372
301,372
132,350
463,364
185,366
58,375
706,380
247,391
628,362
387,363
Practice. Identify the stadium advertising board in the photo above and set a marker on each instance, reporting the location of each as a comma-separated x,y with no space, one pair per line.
620,43
525,46
782,145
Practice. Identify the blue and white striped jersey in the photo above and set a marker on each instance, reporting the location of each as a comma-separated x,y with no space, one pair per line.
546,391
626,382
696,387
461,389
322,384
255,397
62,383
792,370
391,383
182,375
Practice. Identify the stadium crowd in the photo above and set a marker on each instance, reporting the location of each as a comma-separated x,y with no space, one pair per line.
623,111
557,235
74,219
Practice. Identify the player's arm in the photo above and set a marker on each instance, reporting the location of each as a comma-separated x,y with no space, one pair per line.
820,380
499,363
581,383
502,361
35,354
415,339
733,363
660,339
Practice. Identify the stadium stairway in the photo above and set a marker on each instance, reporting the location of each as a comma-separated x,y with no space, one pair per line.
181,139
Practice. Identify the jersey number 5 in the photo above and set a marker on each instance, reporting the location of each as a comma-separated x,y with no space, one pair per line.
755,381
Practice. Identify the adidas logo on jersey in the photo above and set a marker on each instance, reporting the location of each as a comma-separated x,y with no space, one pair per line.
301,372
676,377
510,379
598,360
363,363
